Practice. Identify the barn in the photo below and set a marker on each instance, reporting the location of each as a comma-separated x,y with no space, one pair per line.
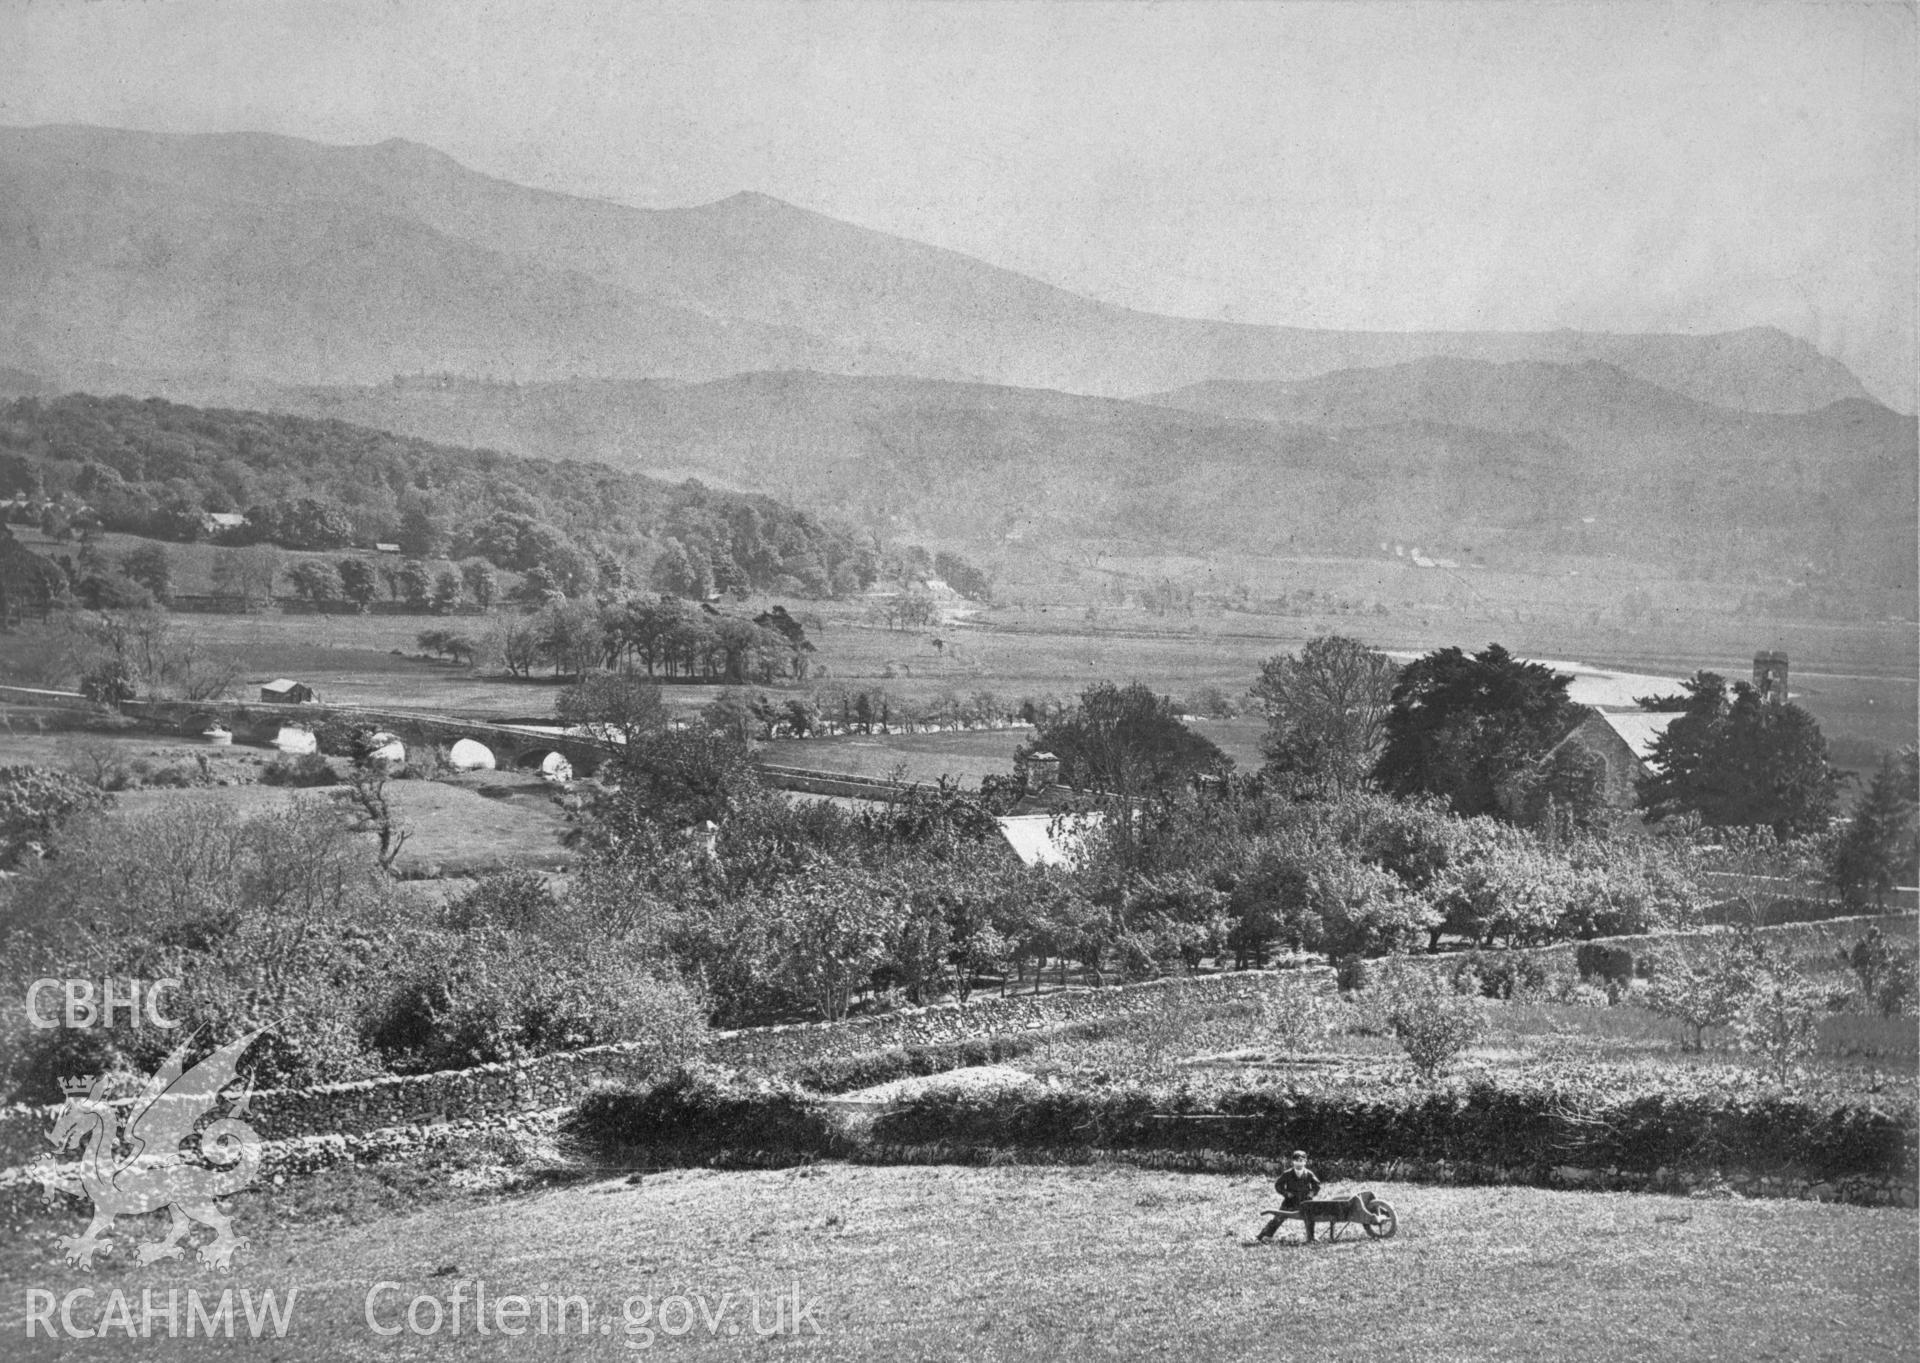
283,691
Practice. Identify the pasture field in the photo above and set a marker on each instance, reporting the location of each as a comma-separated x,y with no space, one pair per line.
1020,1262
1058,631
462,824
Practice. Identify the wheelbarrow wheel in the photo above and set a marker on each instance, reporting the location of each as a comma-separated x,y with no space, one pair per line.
1384,1221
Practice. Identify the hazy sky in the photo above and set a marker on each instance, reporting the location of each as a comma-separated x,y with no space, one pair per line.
1618,166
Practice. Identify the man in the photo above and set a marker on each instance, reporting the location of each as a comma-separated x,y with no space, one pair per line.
1296,1185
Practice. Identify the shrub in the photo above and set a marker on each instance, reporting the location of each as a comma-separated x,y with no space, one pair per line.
1604,962
1705,988
265,919
1886,976
1505,975
342,738
492,996
516,899
706,1109
1779,1020
306,769
1431,1021
35,802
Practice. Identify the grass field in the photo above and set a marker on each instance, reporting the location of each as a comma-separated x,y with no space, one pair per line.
1011,1262
460,825
1858,677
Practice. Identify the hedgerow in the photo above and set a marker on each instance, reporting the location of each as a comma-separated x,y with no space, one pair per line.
707,1110
1589,1120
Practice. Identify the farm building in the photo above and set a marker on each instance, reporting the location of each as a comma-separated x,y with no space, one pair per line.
284,691
1622,741
219,522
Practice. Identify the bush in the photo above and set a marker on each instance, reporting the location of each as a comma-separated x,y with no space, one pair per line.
342,738
1505,975
492,996
705,1110
1432,1022
516,899
1886,975
35,802
306,769
1598,960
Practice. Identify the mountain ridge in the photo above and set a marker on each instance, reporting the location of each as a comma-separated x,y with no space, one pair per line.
1831,491
772,284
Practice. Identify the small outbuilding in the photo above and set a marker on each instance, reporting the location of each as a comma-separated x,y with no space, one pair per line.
283,691
467,755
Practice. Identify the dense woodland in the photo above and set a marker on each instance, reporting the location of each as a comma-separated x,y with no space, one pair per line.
155,468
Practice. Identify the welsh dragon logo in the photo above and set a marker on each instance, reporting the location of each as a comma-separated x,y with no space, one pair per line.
154,1173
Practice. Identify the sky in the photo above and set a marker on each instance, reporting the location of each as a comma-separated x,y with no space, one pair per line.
1621,166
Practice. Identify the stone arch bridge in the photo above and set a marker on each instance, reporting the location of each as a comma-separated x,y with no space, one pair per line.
514,746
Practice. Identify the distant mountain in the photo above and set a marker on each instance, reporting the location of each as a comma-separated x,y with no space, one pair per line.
1618,421
158,262
1606,466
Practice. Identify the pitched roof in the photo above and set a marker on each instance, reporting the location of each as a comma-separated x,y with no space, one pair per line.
280,684
1047,839
1639,728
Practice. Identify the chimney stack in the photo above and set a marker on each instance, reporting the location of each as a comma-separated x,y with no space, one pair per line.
1037,770
1770,677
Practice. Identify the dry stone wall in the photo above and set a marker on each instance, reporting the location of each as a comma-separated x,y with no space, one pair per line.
489,1092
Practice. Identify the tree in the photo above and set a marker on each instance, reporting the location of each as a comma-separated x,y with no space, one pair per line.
570,636
446,590
306,523
831,932
1326,714
421,534
1880,846
1887,976
150,567
315,579
367,793
1740,761
450,642
481,582
358,581
1779,1020
515,640
1126,740
414,584
1462,726
616,703
730,713
1432,1022
681,778
1707,987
